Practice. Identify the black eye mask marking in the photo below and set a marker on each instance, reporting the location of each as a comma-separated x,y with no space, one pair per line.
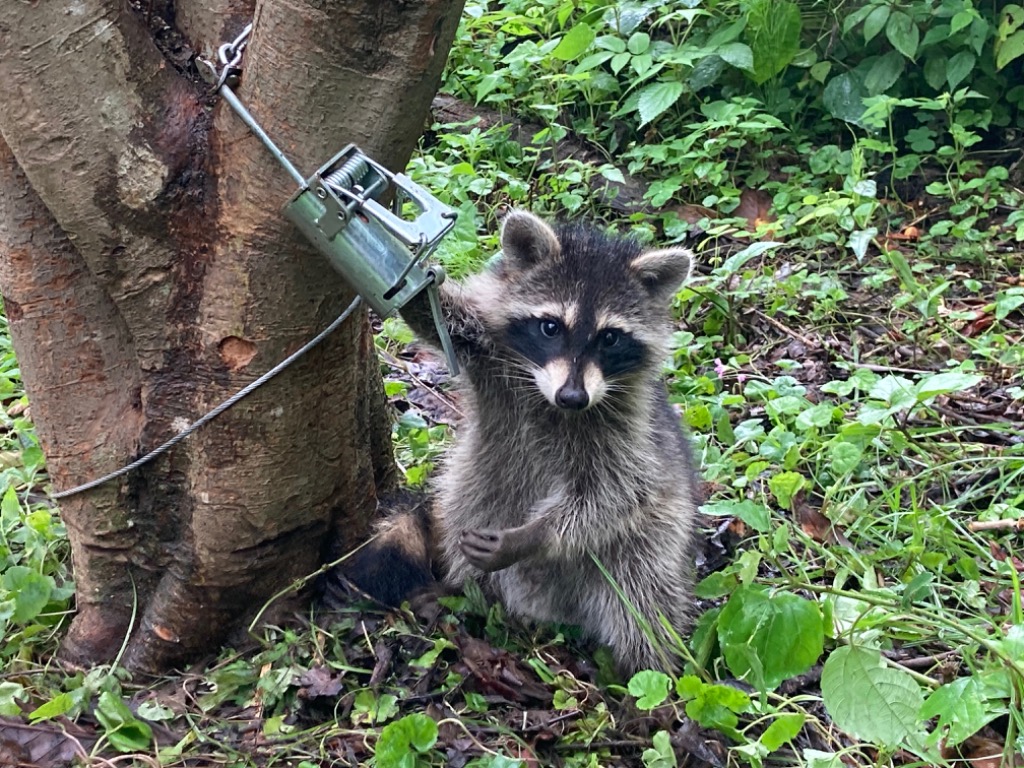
539,340
618,352
543,339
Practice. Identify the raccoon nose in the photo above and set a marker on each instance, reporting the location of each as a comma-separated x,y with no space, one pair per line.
573,398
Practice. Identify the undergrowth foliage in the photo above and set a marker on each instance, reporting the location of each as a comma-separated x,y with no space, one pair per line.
849,358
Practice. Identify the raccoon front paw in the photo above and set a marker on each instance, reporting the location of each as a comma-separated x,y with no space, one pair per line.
489,550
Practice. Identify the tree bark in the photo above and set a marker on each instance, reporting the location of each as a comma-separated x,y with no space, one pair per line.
148,275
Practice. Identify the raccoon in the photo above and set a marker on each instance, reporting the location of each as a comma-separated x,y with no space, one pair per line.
569,494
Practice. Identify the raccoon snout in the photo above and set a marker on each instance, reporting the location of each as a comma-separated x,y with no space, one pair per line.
572,398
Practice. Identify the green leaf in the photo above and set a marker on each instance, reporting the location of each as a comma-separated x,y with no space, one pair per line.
1009,42
1010,49
875,22
945,383
767,637
656,98
757,516
737,54
859,241
903,34
10,507
784,486
845,457
575,43
870,700
126,732
817,416
961,20
844,98
773,32
401,740
894,390
55,707
660,754
712,705
10,695
784,728
820,70
963,708
650,688
31,591
638,43
959,67
1006,302
885,71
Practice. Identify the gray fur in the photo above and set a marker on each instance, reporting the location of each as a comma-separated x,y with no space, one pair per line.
614,482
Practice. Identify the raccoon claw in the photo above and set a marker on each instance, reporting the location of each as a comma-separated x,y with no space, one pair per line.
488,550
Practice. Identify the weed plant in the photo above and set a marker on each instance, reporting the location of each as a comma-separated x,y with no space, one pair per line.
849,360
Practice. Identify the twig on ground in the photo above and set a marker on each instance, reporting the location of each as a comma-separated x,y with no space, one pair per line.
785,329
997,525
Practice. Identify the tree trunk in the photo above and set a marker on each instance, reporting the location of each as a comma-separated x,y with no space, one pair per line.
148,274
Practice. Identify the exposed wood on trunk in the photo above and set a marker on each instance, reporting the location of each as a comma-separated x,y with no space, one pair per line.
157,236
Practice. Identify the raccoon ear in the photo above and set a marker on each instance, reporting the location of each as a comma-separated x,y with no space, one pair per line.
526,240
663,271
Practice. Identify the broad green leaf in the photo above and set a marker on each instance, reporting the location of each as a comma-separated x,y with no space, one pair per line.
737,55
620,60
575,43
126,732
401,740
638,43
650,688
779,632
733,264
10,695
1006,302
820,70
757,516
10,507
885,71
944,383
816,416
660,754
894,390
712,705
963,708
845,457
30,589
856,17
935,65
844,98
961,20
656,98
784,486
773,33
870,700
903,33
859,241
1009,43
593,60
959,67
875,21
784,728
55,707
1009,50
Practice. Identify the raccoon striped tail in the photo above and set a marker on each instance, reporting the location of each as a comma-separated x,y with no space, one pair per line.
396,565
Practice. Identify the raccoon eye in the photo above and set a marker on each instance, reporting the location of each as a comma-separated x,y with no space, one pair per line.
549,328
608,338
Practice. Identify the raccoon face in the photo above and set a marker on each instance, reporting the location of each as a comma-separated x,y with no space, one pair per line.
586,313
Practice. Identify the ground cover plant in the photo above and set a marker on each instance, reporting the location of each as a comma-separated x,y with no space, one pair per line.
849,358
